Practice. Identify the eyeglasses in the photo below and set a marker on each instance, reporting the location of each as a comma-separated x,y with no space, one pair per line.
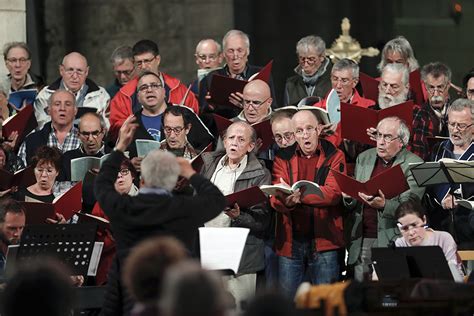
391,87
152,86
344,81
308,130
470,92
72,71
459,126
254,103
123,72
386,137
144,62
48,172
236,52
203,57
309,60
94,134
409,227
176,130
432,89
288,136
124,171
21,60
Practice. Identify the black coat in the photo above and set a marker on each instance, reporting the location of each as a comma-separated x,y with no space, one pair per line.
133,219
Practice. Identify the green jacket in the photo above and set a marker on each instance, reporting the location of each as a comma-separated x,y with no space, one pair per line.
386,222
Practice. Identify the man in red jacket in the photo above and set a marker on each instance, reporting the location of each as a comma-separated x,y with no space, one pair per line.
146,56
309,227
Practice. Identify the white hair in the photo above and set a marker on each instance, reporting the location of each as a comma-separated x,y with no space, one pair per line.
160,169
236,33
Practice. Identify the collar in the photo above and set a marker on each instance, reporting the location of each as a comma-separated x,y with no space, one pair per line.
28,82
78,93
242,117
100,151
224,162
157,191
321,70
316,153
243,74
73,130
386,163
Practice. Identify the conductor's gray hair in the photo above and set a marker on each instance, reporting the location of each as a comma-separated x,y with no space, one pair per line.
160,169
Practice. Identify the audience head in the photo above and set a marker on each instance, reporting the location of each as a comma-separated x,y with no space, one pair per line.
123,64
460,123
311,51
17,59
282,128
208,54
468,84
46,163
146,55
176,125
151,92
91,131
127,174
307,129
74,71
159,169
62,109
146,265
411,218
42,287
256,100
12,221
398,51
239,140
236,46
344,78
394,85
392,136
190,290
437,78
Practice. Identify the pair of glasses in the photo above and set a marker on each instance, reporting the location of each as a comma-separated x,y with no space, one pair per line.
308,130
72,71
143,62
386,137
385,86
235,52
94,134
176,130
286,136
344,81
470,92
308,60
123,72
152,86
204,58
459,126
21,60
124,171
432,89
409,227
254,103
47,171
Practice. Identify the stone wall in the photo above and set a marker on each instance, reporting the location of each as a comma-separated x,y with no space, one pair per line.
96,27
12,24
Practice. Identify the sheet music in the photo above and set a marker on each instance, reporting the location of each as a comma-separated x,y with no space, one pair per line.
144,146
95,258
222,248
428,173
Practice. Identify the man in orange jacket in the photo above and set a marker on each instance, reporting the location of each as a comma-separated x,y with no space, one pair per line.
146,56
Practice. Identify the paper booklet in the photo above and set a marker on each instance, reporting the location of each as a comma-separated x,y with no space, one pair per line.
23,97
306,187
222,248
80,166
201,73
144,146
21,178
246,198
66,204
395,185
24,121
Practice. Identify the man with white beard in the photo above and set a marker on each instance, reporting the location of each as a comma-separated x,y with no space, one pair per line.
430,118
394,85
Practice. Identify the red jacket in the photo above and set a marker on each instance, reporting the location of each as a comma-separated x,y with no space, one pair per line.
121,104
328,210
356,99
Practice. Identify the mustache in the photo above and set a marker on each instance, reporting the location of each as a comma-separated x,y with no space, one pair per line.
436,99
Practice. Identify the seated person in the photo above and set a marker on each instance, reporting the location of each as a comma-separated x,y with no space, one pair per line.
123,185
413,226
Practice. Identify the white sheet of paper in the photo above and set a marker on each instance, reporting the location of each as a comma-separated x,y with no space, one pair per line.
95,258
144,146
222,248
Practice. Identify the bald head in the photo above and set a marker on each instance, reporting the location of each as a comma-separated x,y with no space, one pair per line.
306,127
208,54
257,101
74,71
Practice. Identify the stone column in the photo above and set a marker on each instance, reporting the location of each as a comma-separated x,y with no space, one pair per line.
12,24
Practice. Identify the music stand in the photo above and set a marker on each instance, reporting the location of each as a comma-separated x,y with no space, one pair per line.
411,262
443,172
71,244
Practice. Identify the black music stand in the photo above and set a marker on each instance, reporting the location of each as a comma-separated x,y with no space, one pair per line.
72,244
411,262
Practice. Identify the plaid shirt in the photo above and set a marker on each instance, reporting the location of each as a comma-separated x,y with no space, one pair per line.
425,124
71,142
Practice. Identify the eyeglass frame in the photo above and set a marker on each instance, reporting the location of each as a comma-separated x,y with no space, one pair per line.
460,126
124,171
433,89
309,60
154,87
204,58
177,130
288,136
408,228
71,71
387,138
254,103
95,134
21,60
144,61
42,171
309,130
